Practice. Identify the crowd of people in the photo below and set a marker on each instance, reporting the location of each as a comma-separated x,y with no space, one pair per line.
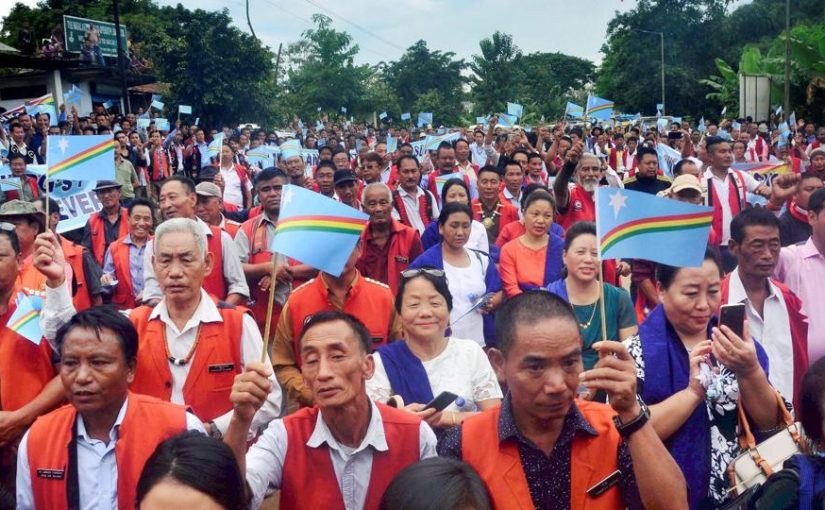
457,361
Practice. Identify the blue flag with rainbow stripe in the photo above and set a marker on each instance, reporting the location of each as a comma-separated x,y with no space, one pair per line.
599,108
635,225
316,230
25,321
81,157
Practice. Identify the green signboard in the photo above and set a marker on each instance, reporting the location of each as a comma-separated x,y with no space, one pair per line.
76,29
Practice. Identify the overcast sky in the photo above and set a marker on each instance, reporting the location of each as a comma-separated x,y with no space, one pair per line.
385,29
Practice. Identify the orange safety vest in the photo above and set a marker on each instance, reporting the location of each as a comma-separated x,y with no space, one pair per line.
98,232
402,431
593,458
258,253
214,366
147,423
370,301
25,368
73,253
124,295
231,227
214,283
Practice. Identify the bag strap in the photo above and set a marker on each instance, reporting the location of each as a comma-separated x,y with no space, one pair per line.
746,439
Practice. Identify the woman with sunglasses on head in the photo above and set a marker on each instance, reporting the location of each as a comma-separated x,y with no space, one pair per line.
427,362
456,190
472,275
534,259
580,288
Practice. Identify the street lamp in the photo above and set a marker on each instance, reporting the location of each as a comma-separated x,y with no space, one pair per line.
662,41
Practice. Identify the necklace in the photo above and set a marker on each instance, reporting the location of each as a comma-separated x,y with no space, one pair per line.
592,315
488,221
178,362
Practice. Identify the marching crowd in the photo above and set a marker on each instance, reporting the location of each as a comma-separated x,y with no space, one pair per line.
457,361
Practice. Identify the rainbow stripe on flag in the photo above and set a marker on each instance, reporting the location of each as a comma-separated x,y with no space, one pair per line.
762,168
80,157
47,99
635,225
316,230
599,108
25,320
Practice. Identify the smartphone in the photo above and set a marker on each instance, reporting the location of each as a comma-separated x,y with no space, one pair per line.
441,402
733,316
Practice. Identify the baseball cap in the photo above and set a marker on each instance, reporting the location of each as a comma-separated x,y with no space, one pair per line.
102,185
20,208
684,182
342,176
208,189
207,174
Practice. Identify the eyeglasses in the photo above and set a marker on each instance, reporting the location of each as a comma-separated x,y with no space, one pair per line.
412,273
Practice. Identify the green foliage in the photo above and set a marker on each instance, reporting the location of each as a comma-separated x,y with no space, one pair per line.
496,72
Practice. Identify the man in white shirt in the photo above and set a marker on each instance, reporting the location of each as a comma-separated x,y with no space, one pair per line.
478,153
110,430
344,451
774,313
412,205
191,346
178,199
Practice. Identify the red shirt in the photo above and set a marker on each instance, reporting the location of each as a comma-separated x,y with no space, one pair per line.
580,207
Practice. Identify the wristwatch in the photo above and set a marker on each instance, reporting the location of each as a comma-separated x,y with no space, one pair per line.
627,429
213,431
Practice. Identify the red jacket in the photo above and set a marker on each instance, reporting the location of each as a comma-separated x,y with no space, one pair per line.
25,368
32,181
81,298
259,252
402,431
214,366
147,423
593,458
507,214
405,246
124,295
214,282
98,232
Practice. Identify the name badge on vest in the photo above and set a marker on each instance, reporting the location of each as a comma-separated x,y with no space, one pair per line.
220,369
50,474
602,487
402,260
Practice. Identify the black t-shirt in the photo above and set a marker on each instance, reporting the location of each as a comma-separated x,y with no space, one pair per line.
792,230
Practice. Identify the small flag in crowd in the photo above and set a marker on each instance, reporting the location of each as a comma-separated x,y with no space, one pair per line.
779,110
73,96
392,144
406,116
25,321
668,157
599,108
431,143
701,126
573,110
762,168
81,158
425,118
107,105
316,230
735,126
628,223
506,120
184,109
343,109
46,108
157,105
382,115
481,120
515,109
792,121
319,125
214,147
724,111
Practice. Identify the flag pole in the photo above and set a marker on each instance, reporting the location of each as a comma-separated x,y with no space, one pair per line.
46,204
271,303
601,300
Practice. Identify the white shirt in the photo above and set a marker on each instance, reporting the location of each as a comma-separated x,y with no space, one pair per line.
462,368
466,286
773,331
232,269
233,188
411,205
265,459
478,237
60,309
478,154
722,188
96,466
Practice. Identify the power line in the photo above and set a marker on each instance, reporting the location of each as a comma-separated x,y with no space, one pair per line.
356,25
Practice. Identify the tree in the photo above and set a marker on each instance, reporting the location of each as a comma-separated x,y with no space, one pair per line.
322,73
496,73
420,72
546,81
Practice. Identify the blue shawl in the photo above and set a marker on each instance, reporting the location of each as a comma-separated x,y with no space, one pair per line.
667,372
552,262
406,373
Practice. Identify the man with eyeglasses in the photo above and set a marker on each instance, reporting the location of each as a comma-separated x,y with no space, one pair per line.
389,245
369,301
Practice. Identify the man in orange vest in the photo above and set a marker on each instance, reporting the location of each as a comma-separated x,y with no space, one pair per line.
123,266
90,453
389,245
344,451
28,223
190,345
29,386
108,225
369,301
178,199
601,456
210,208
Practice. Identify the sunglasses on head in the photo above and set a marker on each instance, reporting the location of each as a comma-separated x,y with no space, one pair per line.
412,273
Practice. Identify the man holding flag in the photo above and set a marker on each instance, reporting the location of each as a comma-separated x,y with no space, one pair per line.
325,234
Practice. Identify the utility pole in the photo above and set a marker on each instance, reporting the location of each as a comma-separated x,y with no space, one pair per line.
787,98
662,41
278,61
121,62
249,20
